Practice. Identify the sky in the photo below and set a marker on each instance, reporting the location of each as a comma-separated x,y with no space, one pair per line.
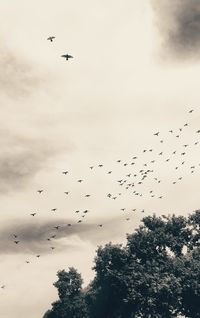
134,72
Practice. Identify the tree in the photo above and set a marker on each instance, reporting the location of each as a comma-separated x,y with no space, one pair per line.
71,303
155,275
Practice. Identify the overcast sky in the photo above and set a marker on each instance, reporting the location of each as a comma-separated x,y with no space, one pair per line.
135,72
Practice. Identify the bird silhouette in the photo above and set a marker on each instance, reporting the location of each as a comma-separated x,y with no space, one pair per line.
51,38
67,56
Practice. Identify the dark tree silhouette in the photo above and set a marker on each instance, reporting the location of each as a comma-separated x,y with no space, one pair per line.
156,275
71,303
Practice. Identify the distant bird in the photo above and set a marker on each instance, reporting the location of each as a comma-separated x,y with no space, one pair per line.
54,209
79,221
40,191
65,172
67,56
52,247
171,131
15,236
38,256
190,111
53,236
33,214
156,134
57,227
100,225
51,38
185,125
109,172
28,262
100,166
69,224
198,131
87,195
80,181
66,192
16,242
3,287
91,167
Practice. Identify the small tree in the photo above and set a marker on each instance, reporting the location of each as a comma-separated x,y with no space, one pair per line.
71,303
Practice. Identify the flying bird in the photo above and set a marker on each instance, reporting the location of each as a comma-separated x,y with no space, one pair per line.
65,172
67,56
40,191
51,38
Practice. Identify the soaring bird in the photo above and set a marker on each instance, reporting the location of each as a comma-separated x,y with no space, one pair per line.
67,56
40,191
16,242
190,111
156,134
54,209
33,214
51,38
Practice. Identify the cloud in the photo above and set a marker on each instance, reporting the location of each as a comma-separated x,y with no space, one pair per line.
18,76
21,158
33,235
179,24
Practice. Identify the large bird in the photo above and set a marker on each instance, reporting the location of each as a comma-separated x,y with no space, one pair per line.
67,56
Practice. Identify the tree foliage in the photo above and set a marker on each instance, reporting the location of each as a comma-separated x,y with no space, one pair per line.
156,274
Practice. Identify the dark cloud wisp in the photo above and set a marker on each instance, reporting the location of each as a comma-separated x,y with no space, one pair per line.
179,24
33,235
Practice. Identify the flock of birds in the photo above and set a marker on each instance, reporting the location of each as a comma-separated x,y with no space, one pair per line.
131,181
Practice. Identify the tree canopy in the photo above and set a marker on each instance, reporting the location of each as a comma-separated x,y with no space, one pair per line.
156,274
